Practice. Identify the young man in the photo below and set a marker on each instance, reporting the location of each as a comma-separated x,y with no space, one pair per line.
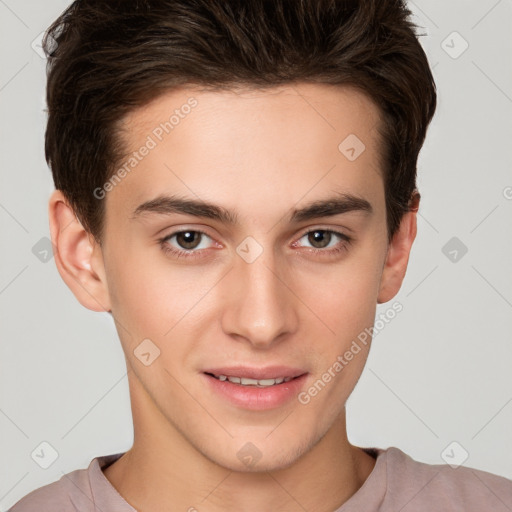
235,184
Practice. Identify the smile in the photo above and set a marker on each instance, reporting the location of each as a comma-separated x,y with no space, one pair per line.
244,381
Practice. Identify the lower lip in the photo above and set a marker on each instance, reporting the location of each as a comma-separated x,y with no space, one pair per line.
255,398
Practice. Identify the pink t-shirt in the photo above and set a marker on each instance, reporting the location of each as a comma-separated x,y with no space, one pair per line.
396,483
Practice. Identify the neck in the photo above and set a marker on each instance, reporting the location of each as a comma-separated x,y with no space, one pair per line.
163,470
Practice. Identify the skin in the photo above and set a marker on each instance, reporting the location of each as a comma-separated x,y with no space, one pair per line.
260,154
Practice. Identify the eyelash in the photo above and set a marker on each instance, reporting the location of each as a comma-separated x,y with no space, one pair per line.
178,253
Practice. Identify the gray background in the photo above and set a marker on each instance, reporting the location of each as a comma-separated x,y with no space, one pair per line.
438,373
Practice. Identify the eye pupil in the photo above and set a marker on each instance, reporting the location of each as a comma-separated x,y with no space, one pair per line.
186,239
314,237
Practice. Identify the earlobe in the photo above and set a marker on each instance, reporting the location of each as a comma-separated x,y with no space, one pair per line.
398,253
77,256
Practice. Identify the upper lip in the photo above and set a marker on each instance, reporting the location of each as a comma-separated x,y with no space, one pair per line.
270,372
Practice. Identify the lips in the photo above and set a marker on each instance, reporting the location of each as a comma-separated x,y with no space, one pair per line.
244,381
270,372
267,394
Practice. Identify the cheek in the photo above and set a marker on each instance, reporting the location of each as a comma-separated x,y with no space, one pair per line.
153,298
141,295
348,307
343,294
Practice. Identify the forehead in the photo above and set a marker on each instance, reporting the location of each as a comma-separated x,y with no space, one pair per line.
252,150
318,106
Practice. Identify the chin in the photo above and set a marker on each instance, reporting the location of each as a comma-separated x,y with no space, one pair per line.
261,456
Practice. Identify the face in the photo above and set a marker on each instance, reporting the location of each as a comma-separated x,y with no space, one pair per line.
250,234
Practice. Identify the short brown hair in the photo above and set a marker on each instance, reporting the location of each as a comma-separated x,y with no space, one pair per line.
106,58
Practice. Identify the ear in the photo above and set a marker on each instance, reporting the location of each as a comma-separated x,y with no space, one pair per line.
399,249
77,255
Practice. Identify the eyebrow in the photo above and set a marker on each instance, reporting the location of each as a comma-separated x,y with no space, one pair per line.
335,205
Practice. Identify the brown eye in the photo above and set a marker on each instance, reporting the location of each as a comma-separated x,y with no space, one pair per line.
187,243
188,239
321,237
324,242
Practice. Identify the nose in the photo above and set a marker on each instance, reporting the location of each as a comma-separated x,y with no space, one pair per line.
261,308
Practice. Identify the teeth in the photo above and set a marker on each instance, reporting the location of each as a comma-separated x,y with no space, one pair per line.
253,382
250,382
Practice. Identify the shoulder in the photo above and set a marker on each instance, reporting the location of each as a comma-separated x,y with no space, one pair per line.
58,495
414,485
78,490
